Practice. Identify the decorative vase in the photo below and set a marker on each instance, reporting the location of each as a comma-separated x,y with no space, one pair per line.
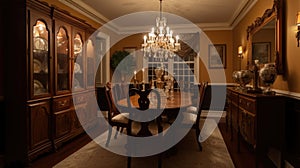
245,77
268,76
159,73
255,71
242,77
235,76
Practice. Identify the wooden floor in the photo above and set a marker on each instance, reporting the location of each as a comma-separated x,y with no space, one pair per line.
243,159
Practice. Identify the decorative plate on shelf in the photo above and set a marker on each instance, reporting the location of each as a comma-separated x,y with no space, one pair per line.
77,45
40,43
45,68
77,68
37,66
38,87
76,83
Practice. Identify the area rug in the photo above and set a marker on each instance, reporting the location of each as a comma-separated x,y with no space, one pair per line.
185,155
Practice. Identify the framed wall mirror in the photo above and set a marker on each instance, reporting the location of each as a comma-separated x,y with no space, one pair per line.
265,37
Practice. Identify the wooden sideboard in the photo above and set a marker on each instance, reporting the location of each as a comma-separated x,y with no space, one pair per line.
259,119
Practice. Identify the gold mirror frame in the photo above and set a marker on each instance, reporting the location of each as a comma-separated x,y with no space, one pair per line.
275,12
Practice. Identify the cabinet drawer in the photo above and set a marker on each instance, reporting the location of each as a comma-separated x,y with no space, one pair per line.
247,104
234,97
228,93
62,103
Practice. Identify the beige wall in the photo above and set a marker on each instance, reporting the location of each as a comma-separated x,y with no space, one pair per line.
219,37
291,79
131,41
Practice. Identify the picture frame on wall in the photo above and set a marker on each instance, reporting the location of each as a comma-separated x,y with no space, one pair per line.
217,56
261,51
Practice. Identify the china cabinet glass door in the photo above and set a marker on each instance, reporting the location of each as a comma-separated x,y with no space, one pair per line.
78,80
40,61
62,64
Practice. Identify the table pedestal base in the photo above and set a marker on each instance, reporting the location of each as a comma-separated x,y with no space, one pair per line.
144,131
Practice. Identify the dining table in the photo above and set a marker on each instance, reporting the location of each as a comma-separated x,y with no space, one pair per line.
171,103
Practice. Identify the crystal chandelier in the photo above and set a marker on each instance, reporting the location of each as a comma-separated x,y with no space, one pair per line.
160,42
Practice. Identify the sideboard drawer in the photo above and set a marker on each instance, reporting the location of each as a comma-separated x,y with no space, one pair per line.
247,104
234,97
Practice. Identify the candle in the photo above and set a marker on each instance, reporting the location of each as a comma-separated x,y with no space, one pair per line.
145,39
134,75
143,74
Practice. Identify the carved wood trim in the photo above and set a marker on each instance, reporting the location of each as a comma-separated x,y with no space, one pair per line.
277,11
259,21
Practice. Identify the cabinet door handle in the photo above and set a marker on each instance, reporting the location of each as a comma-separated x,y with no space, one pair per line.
63,103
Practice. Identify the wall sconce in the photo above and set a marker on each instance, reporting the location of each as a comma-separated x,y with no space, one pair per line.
240,51
298,25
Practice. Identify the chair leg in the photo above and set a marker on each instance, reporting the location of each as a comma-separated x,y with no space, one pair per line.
108,136
128,162
159,160
160,130
197,139
118,129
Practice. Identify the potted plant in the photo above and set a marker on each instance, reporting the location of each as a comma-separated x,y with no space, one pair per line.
126,67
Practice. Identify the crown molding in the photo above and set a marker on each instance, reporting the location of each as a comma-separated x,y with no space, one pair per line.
88,11
245,7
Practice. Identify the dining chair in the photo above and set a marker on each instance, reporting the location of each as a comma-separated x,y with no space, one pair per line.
116,118
193,114
144,104
101,99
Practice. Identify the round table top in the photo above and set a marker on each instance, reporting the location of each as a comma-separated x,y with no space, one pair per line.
180,100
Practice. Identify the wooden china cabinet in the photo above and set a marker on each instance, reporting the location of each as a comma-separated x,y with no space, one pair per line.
53,75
